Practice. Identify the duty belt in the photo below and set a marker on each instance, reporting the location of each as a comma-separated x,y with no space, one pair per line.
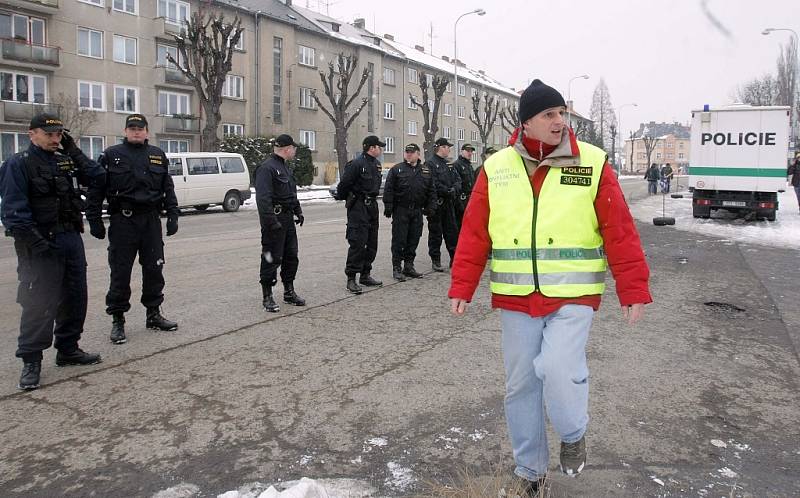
368,200
128,209
279,208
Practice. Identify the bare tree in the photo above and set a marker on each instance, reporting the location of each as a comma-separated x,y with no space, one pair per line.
430,116
650,144
336,85
602,113
633,143
78,120
486,119
206,56
509,118
758,91
613,129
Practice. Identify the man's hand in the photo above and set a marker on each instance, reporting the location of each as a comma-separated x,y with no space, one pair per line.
172,225
97,229
633,313
41,246
458,306
68,143
299,219
387,211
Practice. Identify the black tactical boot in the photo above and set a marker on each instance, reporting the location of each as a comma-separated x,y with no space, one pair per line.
397,274
352,286
157,322
367,280
268,301
290,296
410,271
29,379
118,329
77,357
436,264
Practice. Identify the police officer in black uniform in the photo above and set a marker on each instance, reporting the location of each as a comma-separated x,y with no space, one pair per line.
463,166
41,208
278,211
138,187
442,223
359,187
407,195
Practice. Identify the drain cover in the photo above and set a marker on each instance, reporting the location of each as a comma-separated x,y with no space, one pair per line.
728,307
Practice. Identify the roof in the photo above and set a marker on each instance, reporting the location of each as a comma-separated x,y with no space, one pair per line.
274,10
653,129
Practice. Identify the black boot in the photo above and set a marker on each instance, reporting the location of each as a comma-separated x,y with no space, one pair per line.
77,357
410,271
118,329
157,322
352,286
397,274
290,296
29,379
268,301
367,280
436,264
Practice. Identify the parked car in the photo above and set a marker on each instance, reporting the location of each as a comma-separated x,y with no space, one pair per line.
203,179
384,173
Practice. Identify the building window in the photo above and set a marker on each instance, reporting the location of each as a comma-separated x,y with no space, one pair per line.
173,11
388,76
449,87
388,110
446,132
306,56
412,128
461,111
22,28
233,87
413,77
233,129
240,42
277,81
124,49
448,109
658,155
172,146
127,6
680,155
462,90
309,139
474,92
126,99
389,149
90,43
171,103
11,143
474,136
411,103
91,95
161,56
306,98
22,87
670,145
98,3
461,134
92,146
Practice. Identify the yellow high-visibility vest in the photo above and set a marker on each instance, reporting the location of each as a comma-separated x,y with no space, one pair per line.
550,244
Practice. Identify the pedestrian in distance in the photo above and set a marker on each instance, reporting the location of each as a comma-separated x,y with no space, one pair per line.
442,224
42,210
666,178
408,194
793,172
551,232
463,166
138,188
359,188
652,175
278,212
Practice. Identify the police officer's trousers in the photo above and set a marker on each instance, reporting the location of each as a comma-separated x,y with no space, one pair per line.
442,225
139,233
460,206
362,235
279,248
406,232
53,295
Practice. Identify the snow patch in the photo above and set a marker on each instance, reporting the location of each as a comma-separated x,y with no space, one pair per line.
478,434
401,478
657,480
182,490
718,443
726,472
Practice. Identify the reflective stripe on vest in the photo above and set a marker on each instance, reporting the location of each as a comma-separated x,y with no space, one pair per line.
569,258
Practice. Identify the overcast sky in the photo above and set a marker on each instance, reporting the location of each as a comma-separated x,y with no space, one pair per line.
666,56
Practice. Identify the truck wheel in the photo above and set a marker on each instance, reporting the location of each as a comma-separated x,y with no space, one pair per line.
232,202
201,207
771,216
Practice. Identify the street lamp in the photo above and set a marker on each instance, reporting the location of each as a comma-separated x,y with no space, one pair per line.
792,114
569,97
619,126
480,12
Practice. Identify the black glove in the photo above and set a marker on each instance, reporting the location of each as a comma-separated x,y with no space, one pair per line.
172,225
33,240
97,229
387,211
299,219
68,144
428,212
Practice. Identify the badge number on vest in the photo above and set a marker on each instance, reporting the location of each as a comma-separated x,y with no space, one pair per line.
576,180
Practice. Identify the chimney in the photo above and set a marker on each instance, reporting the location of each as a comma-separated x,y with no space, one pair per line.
388,37
481,71
420,48
360,23
446,58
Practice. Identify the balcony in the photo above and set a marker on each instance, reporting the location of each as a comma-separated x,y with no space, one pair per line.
23,112
21,51
38,6
175,76
181,124
170,27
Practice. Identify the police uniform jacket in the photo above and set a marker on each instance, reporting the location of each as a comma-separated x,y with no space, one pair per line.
467,174
445,177
362,177
410,187
276,189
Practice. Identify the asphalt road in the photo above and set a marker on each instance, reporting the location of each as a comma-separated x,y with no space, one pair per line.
701,399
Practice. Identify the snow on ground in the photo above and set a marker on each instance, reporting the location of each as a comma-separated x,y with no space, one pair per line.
309,194
784,232
304,488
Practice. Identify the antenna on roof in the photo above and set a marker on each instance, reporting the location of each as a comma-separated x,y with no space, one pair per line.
431,36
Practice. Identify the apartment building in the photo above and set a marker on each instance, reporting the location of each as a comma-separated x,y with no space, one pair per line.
95,61
671,147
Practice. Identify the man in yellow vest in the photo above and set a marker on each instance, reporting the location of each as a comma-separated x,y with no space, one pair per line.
552,213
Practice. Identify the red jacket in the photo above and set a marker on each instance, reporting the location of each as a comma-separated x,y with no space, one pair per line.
620,241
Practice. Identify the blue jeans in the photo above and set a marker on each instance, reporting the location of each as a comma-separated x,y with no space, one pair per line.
545,363
652,186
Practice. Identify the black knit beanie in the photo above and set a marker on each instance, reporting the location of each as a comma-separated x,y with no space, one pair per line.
536,98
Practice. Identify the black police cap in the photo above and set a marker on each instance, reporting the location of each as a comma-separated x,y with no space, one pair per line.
442,142
372,141
136,120
284,140
48,122
412,148
467,147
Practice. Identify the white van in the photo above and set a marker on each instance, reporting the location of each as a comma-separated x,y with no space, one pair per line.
205,178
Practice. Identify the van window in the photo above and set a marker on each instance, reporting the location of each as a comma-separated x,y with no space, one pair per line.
176,166
202,166
231,165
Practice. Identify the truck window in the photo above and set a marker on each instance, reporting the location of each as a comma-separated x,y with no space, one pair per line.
231,165
202,166
176,166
